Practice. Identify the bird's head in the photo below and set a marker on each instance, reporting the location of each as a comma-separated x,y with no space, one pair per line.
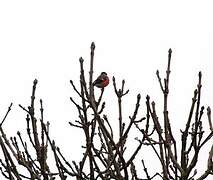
104,73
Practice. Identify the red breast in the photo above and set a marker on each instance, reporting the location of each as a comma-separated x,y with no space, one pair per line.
105,82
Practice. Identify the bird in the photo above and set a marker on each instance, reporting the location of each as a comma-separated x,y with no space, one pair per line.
102,80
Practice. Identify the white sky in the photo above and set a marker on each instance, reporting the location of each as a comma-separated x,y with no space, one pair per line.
44,40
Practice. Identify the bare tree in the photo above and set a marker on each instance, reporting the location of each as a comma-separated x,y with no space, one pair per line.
104,155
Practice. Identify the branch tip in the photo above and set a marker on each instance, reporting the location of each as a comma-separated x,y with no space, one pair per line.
35,81
92,46
202,108
139,96
147,97
81,59
208,110
10,105
170,51
153,103
200,74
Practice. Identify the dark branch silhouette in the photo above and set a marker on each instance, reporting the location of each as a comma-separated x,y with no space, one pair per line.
104,156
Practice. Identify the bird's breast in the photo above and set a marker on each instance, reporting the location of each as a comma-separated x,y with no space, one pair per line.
106,82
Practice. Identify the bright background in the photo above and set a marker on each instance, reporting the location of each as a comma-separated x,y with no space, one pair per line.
44,40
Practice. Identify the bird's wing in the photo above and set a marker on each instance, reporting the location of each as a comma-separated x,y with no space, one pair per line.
98,81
